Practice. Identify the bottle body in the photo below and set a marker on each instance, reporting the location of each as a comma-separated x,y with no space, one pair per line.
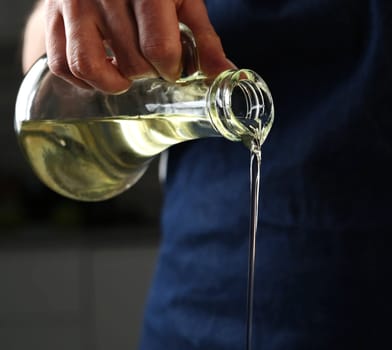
91,146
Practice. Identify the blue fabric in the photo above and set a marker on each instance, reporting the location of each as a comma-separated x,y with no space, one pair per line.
323,259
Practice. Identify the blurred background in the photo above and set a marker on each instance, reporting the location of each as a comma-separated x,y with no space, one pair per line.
73,275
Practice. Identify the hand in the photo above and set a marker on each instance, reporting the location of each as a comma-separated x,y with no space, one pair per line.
142,34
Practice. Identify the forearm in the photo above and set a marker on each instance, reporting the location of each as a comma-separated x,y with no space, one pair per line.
34,37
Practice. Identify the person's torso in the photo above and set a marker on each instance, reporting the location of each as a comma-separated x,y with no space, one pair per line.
325,186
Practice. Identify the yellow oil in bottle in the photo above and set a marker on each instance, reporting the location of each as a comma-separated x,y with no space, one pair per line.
95,159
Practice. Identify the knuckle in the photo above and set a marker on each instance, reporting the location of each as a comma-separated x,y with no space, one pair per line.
58,66
83,67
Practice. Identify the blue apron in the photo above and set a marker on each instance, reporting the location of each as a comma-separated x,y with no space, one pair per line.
323,259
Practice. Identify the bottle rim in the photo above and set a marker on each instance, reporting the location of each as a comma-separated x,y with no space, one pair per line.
240,106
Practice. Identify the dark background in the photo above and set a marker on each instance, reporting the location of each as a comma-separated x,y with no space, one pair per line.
73,275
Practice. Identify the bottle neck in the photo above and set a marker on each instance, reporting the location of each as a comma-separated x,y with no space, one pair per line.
240,106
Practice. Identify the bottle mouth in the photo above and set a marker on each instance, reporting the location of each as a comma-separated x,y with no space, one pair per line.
240,105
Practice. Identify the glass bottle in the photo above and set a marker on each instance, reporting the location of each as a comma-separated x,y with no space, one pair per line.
91,146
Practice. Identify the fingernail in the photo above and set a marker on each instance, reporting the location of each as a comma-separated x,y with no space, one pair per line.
173,76
146,75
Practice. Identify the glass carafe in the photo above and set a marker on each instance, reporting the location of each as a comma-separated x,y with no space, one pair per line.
91,146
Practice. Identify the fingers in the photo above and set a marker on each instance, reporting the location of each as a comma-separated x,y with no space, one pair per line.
121,33
159,36
75,47
77,32
142,34
56,47
85,50
212,57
